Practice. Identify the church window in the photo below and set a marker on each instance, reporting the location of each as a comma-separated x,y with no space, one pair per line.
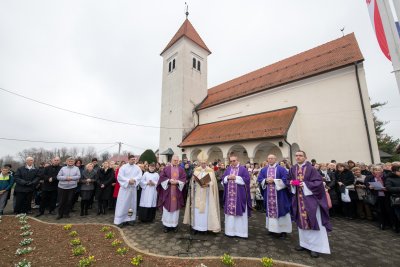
198,65
194,63
171,65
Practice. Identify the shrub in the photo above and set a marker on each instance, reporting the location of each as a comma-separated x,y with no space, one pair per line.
25,242
25,227
23,251
109,235
67,227
23,263
267,262
149,156
226,259
86,261
73,233
122,251
105,229
78,250
75,242
26,233
137,260
116,243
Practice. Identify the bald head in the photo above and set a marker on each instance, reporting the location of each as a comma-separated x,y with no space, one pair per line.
271,159
175,160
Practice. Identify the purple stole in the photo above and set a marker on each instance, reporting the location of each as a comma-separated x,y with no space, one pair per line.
304,221
173,198
232,191
272,204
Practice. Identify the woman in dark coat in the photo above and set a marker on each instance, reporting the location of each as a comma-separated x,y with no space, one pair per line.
345,180
382,206
392,184
105,177
87,182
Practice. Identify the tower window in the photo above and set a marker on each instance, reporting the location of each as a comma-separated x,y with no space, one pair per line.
198,65
171,65
194,63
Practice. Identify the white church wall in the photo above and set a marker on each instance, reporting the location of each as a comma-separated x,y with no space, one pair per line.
329,120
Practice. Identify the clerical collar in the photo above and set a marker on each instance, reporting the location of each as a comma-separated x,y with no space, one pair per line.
273,165
301,165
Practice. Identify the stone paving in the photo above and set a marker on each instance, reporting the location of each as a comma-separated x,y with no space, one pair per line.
356,243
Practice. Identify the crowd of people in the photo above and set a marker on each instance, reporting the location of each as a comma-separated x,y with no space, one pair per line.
308,193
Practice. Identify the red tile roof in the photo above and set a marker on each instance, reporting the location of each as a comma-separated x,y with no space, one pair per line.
188,31
259,126
330,56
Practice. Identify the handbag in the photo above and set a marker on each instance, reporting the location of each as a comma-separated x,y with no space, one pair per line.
395,200
328,199
345,196
369,198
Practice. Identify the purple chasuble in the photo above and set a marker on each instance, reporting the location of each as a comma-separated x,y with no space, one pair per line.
172,198
304,221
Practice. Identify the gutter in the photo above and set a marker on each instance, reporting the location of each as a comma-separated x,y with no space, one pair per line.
364,115
290,149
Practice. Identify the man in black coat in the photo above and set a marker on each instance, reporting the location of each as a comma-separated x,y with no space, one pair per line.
49,187
26,178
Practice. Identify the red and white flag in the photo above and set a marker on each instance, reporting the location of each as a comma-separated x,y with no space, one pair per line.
376,21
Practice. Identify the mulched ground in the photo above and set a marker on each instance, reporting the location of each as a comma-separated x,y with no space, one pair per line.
53,248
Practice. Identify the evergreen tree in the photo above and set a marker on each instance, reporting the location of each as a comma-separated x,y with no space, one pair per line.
148,156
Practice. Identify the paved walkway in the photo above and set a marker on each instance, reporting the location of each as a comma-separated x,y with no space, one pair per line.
353,243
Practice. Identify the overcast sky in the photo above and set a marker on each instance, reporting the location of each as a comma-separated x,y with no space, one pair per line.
102,58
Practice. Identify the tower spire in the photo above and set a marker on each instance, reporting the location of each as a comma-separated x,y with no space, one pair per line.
187,10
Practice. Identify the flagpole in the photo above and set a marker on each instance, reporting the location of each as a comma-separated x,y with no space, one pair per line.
392,36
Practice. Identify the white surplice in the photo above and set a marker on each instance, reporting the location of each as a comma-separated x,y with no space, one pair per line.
170,219
314,240
127,196
148,197
237,225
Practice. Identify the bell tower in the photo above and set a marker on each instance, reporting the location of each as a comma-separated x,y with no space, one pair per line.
184,85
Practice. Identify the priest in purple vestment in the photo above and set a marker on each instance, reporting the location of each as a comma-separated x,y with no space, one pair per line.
170,197
237,201
309,206
273,180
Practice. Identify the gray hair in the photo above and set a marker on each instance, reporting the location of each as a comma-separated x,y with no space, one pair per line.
70,158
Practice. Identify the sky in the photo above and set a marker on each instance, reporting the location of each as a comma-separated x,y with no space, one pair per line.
102,58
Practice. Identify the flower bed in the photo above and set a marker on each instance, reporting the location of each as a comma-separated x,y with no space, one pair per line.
53,248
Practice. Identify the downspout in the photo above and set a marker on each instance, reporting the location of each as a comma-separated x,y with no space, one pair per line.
290,149
364,115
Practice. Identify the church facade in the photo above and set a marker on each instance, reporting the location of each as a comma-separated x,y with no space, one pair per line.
316,101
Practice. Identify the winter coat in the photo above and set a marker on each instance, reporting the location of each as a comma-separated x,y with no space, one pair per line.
26,179
106,178
50,172
88,175
392,184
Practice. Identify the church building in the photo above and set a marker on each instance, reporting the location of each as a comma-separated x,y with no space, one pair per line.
316,101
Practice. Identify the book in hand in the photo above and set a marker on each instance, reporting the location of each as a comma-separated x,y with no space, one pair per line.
203,181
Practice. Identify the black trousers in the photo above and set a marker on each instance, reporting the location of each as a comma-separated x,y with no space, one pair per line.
23,202
66,197
49,200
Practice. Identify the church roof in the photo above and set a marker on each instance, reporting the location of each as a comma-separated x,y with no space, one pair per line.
189,32
269,124
327,57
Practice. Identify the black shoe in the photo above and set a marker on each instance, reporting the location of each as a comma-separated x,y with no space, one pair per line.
299,248
121,225
283,236
131,223
166,230
59,217
40,214
175,229
52,212
314,254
